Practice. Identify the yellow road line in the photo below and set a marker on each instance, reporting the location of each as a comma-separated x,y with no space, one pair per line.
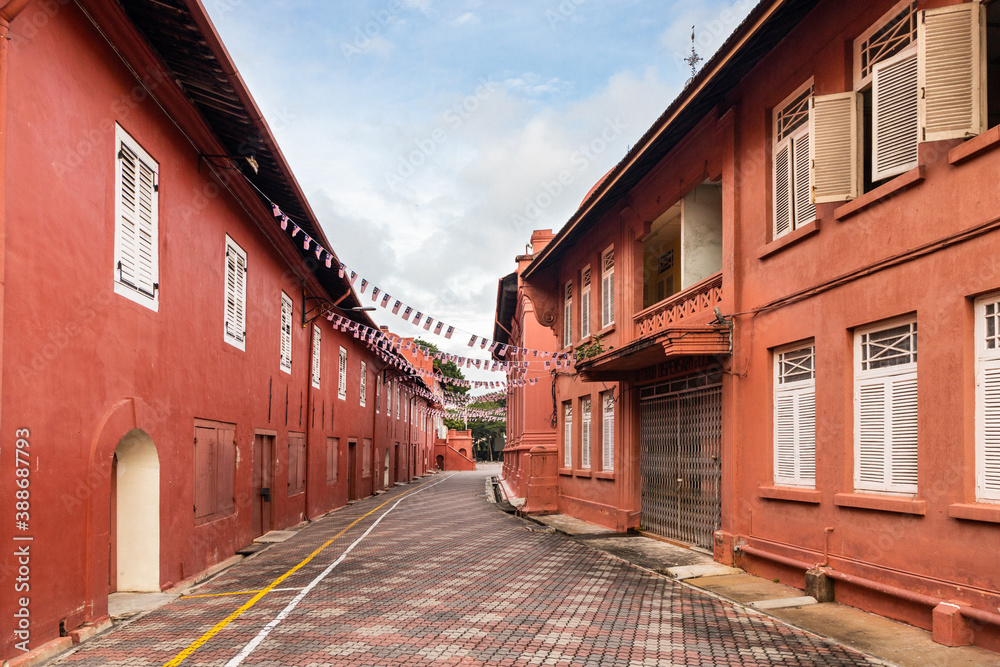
218,627
216,595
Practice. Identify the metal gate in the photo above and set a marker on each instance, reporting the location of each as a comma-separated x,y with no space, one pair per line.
680,446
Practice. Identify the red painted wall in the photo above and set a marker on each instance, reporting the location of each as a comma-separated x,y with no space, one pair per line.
83,366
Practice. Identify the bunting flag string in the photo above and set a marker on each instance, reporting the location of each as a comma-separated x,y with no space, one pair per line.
501,349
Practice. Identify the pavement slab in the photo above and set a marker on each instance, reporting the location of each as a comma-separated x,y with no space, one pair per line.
430,573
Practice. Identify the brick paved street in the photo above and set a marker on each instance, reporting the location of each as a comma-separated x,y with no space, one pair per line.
447,578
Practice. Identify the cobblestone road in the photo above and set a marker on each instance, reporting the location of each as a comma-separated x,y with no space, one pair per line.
446,578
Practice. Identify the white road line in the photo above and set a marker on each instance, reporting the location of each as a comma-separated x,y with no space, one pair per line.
283,614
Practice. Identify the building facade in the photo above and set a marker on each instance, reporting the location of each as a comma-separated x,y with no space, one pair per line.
171,388
816,199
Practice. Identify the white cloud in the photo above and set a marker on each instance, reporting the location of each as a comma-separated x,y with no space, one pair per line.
468,18
713,23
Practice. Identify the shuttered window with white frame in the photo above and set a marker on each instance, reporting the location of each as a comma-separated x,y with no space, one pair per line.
988,398
835,146
363,388
885,408
952,71
585,422
285,358
585,303
317,349
895,127
236,293
342,375
792,193
608,288
608,431
795,416
568,315
136,269
567,435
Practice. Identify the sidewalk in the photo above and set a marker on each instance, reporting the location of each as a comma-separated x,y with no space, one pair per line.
884,639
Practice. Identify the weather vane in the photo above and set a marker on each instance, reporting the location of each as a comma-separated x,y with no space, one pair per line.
693,59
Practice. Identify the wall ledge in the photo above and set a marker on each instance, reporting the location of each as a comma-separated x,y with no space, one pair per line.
902,505
901,182
789,239
975,512
604,474
789,493
979,144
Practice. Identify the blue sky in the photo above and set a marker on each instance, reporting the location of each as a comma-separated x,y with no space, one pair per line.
429,135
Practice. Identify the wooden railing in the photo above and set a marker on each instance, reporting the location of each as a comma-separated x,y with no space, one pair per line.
698,298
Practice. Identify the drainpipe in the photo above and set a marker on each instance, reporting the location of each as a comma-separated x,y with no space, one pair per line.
310,412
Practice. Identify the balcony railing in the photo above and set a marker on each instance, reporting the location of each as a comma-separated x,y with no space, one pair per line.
680,307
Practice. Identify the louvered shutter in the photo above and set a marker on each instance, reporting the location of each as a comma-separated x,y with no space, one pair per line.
803,208
807,437
782,190
585,434
585,305
834,147
129,216
870,467
364,384
952,71
887,434
894,116
903,436
145,273
317,347
136,225
608,434
608,290
988,473
568,316
286,333
567,436
785,468
342,379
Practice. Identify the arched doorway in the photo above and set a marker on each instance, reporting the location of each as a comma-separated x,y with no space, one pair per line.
135,520
385,470
440,462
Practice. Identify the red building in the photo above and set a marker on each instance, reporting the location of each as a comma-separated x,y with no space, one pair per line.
819,195
170,387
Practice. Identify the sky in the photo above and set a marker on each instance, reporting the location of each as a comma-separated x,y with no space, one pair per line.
429,136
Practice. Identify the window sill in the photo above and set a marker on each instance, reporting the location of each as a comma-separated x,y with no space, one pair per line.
566,471
581,473
898,184
966,151
791,238
790,493
863,501
604,474
605,331
975,512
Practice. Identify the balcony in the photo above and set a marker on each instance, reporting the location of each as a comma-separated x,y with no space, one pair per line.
681,308
681,326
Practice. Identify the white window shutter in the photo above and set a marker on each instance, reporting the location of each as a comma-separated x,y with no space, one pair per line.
568,317
567,436
895,127
608,299
785,450
285,361
145,274
364,384
317,347
782,189
803,208
871,462
129,217
988,473
608,434
952,71
834,151
903,436
585,434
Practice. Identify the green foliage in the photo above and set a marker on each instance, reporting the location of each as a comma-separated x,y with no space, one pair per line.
449,369
591,349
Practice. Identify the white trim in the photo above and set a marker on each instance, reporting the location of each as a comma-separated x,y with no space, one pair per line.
234,320
887,427
131,292
862,82
987,403
342,375
317,349
285,347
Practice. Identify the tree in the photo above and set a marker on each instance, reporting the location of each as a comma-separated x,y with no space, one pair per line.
449,369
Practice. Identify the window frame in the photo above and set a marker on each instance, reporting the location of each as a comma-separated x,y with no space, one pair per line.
797,391
987,361
608,430
240,299
568,314
317,351
342,374
607,288
135,293
285,347
887,378
792,141
567,459
585,432
586,280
